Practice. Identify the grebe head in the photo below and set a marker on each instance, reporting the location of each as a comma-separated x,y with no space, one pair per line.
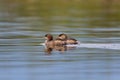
62,36
48,37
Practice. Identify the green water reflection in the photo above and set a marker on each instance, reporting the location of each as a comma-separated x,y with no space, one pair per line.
96,13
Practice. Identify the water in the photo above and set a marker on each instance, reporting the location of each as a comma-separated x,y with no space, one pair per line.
23,26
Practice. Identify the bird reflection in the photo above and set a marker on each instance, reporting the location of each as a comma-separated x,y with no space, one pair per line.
61,49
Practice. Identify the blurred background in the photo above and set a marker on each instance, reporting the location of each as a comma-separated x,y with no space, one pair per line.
23,24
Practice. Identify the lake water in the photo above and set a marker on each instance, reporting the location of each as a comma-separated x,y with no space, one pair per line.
23,26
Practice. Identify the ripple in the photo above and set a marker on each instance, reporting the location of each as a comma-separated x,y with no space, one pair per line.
98,45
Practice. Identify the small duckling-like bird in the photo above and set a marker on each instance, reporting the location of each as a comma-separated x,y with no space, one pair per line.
51,42
67,40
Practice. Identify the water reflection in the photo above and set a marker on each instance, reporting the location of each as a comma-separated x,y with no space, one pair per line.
61,48
49,50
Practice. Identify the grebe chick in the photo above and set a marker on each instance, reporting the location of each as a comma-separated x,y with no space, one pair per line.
65,38
51,42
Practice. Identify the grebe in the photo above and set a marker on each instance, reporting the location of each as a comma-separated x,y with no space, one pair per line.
67,40
51,42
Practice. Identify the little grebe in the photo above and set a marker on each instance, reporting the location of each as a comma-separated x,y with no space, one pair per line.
51,42
67,40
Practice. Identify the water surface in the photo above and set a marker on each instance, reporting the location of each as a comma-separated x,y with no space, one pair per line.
23,26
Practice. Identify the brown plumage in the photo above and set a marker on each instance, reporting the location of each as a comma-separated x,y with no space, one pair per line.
51,42
67,40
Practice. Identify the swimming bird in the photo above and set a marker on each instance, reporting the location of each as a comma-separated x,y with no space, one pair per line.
67,40
51,42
